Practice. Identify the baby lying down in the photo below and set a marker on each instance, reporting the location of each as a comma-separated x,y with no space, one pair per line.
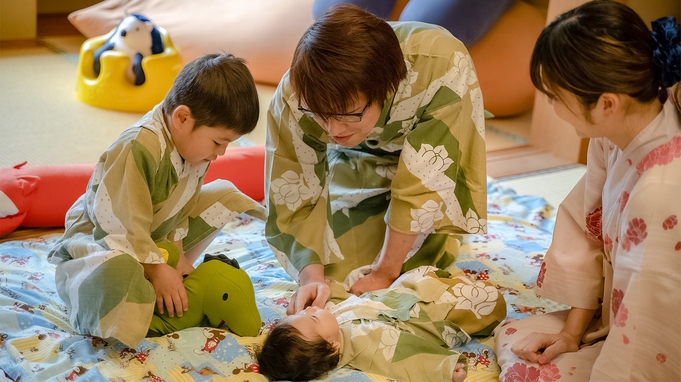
407,332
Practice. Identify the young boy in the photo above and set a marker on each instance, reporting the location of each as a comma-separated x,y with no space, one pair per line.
405,332
147,191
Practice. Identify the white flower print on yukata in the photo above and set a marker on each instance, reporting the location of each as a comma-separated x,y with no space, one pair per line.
463,72
404,88
389,339
425,217
290,190
453,337
387,170
474,224
476,296
428,164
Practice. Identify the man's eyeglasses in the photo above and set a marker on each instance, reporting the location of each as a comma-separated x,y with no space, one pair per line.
352,117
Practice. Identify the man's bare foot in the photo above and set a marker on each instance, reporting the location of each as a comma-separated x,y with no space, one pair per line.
459,373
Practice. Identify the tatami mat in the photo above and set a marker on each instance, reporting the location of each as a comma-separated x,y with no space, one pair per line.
43,122
553,185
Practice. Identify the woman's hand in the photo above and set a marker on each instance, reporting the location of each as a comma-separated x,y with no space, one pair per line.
170,292
315,294
543,347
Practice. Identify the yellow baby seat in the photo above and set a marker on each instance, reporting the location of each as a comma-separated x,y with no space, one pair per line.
112,90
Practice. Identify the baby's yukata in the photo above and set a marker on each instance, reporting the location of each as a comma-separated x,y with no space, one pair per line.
141,193
617,249
421,170
410,331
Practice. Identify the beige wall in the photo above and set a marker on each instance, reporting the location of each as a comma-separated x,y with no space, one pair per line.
650,10
17,19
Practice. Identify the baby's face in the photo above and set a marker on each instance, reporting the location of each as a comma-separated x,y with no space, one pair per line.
315,322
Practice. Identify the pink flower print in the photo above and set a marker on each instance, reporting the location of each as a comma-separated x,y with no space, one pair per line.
540,277
621,316
625,339
630,162
661,358
619,311
594,224
607,243
520,372
510,331
636,233
677,247
661,155
670,222
623,200
549,372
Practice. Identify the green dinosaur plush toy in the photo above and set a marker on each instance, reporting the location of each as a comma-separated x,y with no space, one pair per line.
217,290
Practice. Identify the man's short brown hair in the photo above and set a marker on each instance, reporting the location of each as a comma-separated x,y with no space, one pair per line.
346,53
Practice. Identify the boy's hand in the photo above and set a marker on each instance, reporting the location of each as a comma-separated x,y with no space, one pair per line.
169,289
184,267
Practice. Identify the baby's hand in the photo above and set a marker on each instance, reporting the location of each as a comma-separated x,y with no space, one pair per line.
459,373
169,289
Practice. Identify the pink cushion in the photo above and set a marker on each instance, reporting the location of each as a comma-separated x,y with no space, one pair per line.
263,32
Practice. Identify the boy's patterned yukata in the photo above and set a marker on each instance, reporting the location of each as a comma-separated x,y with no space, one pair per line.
142,192
409,331
421,169
617,248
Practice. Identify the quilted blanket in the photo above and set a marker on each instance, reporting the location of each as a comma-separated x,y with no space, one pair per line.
37,343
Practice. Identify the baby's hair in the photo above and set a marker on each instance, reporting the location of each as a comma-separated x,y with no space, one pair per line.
286,355
219,90
598,47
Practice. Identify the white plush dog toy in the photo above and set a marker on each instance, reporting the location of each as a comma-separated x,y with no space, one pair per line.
137,37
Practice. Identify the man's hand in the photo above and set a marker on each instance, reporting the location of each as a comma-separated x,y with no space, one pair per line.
371,282
543,347
315,293
169,289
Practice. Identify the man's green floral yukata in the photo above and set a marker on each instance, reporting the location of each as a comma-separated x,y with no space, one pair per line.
421,169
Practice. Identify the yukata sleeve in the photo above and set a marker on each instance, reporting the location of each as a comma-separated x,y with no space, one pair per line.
388,351
121,204
644,342
440,183
572,271
296,187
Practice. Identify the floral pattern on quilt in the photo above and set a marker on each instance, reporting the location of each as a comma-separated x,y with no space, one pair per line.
37,343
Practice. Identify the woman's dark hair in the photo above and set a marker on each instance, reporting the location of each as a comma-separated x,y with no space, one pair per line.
285,355
220,92
599,47
345,53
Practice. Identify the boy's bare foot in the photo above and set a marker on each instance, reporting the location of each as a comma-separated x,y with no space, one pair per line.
459,373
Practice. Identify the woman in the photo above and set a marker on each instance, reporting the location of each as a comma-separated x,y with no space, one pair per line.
375,153
615,257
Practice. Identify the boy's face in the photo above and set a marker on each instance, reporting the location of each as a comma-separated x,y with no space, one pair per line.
315,322
200,145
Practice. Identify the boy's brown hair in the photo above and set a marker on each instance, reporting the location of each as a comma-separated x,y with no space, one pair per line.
220,92
345,53
285,355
